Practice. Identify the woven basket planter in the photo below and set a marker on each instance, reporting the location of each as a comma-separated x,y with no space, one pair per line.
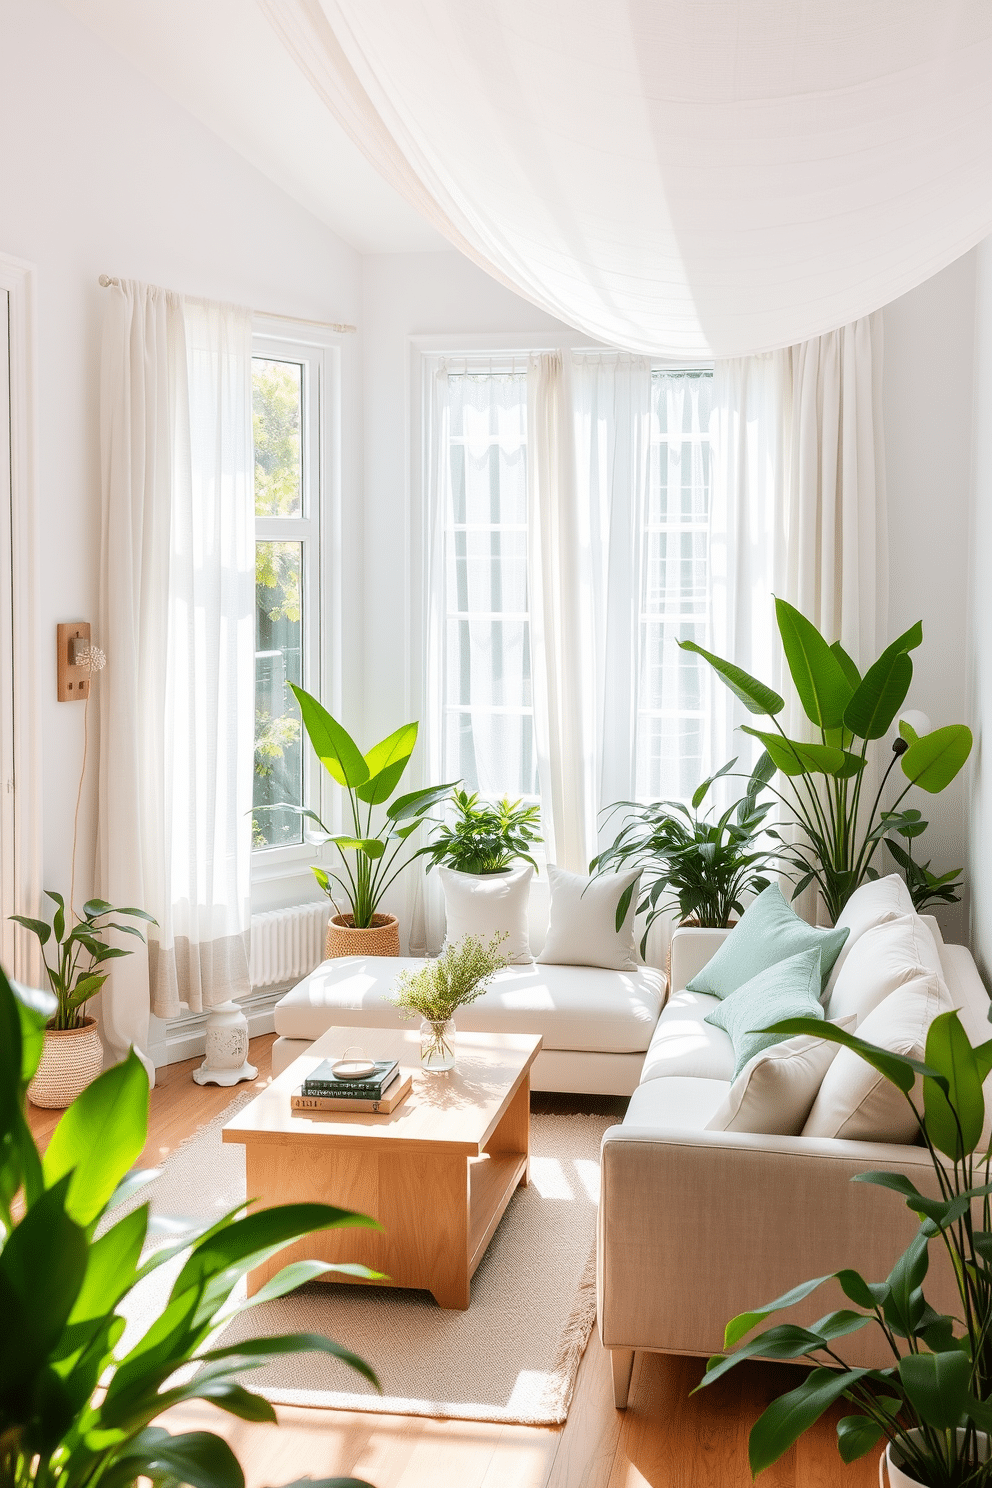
70,1060
381,938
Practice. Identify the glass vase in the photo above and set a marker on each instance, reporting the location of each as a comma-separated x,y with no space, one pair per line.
437,1045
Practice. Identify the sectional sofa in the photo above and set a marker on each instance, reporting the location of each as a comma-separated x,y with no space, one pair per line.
699,1224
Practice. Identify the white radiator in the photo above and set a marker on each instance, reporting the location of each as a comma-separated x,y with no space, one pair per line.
286,944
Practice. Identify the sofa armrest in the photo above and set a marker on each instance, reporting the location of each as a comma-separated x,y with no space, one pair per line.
697,1226
691,949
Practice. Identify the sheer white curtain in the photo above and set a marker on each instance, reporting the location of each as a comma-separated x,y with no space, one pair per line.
798,507
176,621
799,512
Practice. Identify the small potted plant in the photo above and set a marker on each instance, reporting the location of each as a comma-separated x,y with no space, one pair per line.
486,838
932,1405
457,977
367,855
73,1053
693,866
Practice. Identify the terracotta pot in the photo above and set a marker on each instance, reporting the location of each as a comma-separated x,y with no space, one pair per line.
381,938
892,1473
70,1060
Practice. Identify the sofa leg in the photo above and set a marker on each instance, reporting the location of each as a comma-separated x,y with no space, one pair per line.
622,1362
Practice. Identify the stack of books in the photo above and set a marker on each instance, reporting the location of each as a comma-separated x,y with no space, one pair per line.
379,1092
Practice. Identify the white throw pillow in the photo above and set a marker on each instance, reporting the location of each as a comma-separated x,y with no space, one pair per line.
775,1090
858,1103
488,904
583,926
872,904
885,957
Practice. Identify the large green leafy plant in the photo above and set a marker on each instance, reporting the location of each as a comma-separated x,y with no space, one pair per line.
486,838
825,778
699,867
367,857
76,1410
933,1401
80,951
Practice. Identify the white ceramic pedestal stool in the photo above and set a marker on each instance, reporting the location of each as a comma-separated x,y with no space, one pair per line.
226,1061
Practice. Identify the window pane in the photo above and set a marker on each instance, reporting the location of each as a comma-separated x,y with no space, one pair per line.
278,661
674,600
488,730
277,420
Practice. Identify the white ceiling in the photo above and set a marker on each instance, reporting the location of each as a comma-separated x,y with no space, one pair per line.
221,60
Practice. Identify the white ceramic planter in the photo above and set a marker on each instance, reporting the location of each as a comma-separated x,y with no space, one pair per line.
226,1048
891,1473
70,1060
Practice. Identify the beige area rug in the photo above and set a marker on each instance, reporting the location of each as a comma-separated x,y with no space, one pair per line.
513,1356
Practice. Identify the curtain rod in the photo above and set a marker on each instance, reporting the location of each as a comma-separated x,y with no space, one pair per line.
106,280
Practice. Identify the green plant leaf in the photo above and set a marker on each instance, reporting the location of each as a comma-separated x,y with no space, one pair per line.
787,1341
904,1307
37,927
790,1415
937,1386
745,1321
795,758
879,697
847,666
931,762
99,1138
197,1458
415,803
699,794
250,1350
856,1435
265,1229
333,745
42,1266
756,697
372,847
386,762
819,678
949,1051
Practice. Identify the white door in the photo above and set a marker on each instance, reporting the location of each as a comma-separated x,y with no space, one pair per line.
6,653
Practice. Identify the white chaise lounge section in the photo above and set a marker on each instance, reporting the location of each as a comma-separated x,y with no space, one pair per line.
596,1024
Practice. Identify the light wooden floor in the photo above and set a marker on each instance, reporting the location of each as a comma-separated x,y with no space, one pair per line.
665,1439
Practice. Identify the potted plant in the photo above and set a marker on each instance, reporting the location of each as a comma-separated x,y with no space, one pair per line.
824,779
933,1404
459,975
367,855
73,1053
485,838
690,864
76,1408
926,888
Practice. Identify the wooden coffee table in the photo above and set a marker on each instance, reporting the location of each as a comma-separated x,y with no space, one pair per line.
437,1173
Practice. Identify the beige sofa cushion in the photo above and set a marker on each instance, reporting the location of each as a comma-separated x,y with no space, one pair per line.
685,1044
579,1008
855,1101
775,1090
873,904
883,958
682,1103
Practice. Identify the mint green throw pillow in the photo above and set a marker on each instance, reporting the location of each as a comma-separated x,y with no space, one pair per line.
789,989
769,931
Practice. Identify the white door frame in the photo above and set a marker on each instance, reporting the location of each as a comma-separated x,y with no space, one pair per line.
20,736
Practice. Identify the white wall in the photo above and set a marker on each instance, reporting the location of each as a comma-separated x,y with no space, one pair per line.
100,173
927,383
980,856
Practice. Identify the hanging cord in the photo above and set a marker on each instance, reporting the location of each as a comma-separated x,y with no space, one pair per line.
95,660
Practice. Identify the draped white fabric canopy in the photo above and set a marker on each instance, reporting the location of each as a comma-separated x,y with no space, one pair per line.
717,178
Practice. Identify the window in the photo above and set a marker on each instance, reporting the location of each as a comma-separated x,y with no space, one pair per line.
286,392
674,600
488,715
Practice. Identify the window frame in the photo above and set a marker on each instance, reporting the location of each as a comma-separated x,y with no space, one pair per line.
318,529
